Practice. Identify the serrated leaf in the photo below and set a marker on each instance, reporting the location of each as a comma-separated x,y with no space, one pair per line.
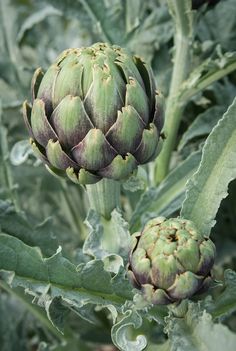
56,276
23,228
209,184
120,332
197,332
121,285
56,312
211,70
224,303
58,309
108,240
93,243
157,313
167,198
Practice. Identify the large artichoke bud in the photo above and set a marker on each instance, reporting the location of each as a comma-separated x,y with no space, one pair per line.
95,113
170,260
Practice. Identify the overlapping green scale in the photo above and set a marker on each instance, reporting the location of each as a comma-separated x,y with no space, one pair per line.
88,152
46,87
125,134
94,114
68,82
70,121
40,125
170,260
103,100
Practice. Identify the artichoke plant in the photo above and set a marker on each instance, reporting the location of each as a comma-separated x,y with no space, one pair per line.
95,114
170,260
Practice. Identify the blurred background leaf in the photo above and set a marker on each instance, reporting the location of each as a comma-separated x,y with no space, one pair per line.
45,212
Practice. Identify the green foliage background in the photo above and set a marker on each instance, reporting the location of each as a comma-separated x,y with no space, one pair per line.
38,211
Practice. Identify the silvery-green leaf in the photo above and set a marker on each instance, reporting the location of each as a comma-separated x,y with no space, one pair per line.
25,229
120,332
196,331
56,276
108,240
20,152
224,303
56,312
208,186
207,73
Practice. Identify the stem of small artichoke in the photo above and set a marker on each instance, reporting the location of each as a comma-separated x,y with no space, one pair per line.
174,108
179,309
104,196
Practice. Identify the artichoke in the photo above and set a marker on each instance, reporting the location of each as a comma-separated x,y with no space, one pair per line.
95,114
170,260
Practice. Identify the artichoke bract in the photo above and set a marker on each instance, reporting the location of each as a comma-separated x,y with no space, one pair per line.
95,114
170,260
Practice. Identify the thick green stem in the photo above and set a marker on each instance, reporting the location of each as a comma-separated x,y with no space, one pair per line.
181,63
179,309
173,108
104,196
181,12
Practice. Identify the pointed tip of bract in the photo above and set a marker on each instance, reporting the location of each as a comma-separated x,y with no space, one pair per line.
39,151
147,77
159,114
82,177
35,83
58,173
120,168
148,145
186,285
26,107
155,296
26,110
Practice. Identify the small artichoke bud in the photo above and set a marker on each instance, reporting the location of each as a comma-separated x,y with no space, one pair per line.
95,114
170,260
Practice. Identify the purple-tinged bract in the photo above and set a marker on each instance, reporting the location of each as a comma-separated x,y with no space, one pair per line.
170,260
95,113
